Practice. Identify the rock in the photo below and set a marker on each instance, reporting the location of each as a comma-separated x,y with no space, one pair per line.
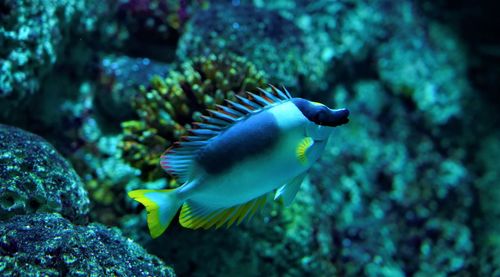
35,178
49,245
274,44
32,36
119,81
488,225
428,66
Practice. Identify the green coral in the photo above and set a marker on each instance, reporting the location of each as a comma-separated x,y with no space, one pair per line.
168,105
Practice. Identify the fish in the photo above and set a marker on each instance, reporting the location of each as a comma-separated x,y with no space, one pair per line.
239,155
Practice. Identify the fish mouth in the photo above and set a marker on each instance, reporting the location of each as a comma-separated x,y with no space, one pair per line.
336,118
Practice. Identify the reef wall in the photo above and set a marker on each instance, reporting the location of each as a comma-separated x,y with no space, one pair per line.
93,92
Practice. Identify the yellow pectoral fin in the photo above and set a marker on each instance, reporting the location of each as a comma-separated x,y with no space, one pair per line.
301,149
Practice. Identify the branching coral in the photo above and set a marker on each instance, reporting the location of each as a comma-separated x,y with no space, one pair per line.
168,105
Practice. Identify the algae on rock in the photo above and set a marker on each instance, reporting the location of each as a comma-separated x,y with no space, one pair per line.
35,178
48,245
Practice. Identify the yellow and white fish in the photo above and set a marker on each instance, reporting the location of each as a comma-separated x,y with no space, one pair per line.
241,153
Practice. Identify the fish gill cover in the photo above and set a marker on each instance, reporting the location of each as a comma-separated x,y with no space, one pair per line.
102,88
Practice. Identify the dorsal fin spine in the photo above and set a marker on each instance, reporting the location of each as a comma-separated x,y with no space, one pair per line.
203,132
280,93
248,102
239,107
287,92
207,126
193,138
259,99
269,95
230,111
214,121
192,143
222,116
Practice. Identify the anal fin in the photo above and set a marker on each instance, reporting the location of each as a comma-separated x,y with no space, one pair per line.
289,190
195,216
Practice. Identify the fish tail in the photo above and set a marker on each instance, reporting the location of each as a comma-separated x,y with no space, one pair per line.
161,205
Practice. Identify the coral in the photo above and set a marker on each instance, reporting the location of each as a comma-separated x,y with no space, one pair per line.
105,176
337,35
33,34
27,23
35,178
170,104
49,245
274,44
428,66
415,57
396,198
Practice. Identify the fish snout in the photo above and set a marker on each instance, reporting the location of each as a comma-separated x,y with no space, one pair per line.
336,117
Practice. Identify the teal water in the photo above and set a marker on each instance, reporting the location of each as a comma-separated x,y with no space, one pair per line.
93,92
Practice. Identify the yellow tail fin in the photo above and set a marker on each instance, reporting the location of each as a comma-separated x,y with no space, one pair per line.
161,205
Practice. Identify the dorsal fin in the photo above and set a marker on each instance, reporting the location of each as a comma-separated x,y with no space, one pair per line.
177,160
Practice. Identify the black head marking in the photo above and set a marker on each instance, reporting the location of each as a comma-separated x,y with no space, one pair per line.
320,114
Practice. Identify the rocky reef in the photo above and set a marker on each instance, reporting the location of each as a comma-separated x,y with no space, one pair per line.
49,245
93,92
35,178
41,200
275,45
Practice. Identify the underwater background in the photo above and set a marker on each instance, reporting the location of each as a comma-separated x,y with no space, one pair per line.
92,92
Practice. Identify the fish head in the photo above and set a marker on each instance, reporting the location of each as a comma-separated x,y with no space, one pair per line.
321,119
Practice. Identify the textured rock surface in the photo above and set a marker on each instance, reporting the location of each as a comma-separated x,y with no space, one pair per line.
32,35
396,199
416,57
119,81
35,178
49,245
275,44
